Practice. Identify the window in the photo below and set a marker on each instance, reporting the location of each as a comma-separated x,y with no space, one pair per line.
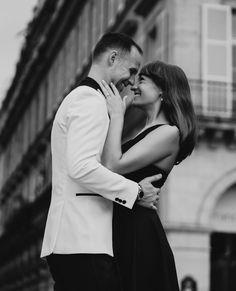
94,7
157,37
26,124
217,60
19,138
34,126
234,24
151,42
105,9
51,76
85,27
10,160
32,177
6,163
216,42
1,173
100,19
33,120
70,59
121,5
79,44
234,46
60,79
42,110
111,12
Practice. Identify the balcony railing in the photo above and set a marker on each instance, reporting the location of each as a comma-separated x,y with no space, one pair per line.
214,100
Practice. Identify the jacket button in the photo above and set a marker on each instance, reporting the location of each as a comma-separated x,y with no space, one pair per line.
123,201
117,199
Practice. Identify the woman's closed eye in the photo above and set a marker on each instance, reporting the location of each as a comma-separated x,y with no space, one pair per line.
141,79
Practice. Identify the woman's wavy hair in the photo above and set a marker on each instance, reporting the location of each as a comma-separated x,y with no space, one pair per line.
177,104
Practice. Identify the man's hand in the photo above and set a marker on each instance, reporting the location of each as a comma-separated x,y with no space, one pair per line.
151,194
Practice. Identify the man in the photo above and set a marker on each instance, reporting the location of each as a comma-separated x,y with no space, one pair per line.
78,234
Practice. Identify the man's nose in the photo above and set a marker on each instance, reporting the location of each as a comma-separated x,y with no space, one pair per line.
134,87
132,80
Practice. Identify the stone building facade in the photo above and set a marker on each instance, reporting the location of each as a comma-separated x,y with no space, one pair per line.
198,202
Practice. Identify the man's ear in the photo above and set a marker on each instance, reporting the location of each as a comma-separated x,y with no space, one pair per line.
112,57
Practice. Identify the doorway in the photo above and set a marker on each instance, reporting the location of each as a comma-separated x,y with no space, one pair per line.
223,262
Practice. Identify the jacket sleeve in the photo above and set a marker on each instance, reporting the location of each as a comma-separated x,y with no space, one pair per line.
86,125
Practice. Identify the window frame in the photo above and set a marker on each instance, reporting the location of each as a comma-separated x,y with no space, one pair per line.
208,79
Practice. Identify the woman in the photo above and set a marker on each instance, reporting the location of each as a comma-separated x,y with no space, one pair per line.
144,256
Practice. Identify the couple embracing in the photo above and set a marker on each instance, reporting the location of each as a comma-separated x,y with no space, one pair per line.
103,232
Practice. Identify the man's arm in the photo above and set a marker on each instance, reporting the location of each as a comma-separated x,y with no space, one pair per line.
86,124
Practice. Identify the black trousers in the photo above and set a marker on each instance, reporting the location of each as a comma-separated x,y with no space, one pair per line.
84,272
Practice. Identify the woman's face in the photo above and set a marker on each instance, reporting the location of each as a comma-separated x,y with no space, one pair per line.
146,92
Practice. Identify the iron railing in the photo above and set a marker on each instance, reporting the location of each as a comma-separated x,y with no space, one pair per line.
214,99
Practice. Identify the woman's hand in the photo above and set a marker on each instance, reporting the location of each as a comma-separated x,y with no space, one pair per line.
115,105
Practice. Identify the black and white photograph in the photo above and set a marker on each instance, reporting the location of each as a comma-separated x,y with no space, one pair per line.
118,145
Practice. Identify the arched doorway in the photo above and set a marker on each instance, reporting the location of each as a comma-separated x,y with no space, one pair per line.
223,243
223,262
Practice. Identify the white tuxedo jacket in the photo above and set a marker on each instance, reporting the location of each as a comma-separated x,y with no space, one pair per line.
83,191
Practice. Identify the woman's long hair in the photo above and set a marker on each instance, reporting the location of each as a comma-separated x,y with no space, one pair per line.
177,104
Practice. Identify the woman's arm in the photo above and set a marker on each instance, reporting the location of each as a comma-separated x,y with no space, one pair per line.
112,149
157,145
116,110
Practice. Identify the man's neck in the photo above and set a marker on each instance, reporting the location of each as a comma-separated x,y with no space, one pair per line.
98,74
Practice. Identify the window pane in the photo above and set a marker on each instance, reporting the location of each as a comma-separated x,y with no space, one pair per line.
234,56
234,64
216,25
151,43
234,76
217,60
217,96
105,13
234,24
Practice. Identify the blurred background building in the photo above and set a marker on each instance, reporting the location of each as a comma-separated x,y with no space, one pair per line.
198,203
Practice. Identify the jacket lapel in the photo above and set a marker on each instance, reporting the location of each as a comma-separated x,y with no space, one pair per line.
91,83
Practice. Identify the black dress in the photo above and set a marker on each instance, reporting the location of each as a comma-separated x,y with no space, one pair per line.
144,257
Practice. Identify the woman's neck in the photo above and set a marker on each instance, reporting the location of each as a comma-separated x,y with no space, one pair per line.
154,118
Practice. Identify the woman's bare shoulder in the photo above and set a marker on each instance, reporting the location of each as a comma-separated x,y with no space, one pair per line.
169,134
167,130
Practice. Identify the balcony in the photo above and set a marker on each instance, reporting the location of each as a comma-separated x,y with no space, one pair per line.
215,104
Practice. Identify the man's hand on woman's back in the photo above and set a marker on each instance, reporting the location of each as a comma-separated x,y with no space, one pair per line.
151,193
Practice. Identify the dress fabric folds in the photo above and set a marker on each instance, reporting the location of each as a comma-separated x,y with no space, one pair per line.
144,257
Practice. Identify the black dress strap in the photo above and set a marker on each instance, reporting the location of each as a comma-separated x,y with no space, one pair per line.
142,134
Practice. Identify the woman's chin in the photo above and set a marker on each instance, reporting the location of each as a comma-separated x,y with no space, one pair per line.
136,103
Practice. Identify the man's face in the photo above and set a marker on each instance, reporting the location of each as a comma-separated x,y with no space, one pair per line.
125,68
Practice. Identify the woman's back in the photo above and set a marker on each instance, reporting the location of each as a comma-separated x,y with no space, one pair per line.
149,170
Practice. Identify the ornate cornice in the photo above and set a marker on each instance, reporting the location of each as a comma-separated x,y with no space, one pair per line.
44,39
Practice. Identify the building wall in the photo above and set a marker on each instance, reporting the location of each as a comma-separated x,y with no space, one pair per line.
195,188
55,57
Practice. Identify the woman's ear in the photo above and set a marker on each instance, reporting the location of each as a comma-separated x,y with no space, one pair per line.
161,96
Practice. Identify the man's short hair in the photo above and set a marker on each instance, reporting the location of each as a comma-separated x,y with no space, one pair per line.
113,40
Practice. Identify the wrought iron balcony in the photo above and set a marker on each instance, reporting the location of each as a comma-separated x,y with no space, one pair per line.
215,103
